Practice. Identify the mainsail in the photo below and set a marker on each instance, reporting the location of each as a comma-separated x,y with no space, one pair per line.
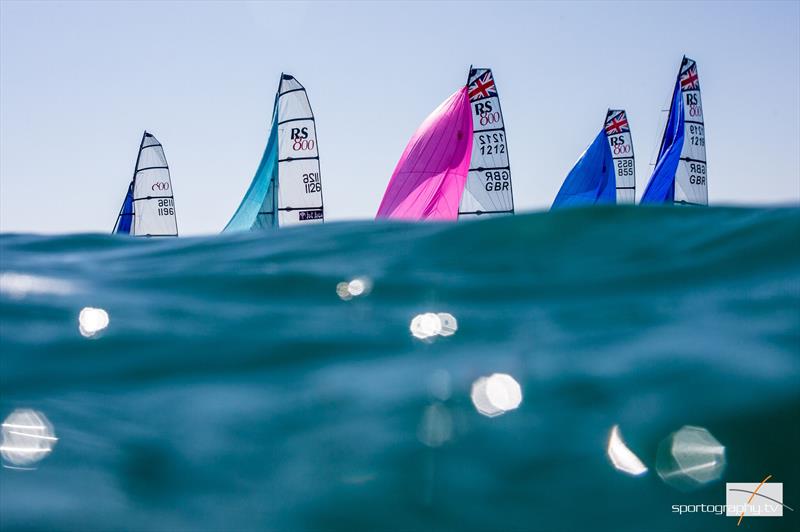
620,142
488,189
604,172
680,172
287,187
429,179
149,207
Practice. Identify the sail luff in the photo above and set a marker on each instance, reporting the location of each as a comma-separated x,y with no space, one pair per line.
429,178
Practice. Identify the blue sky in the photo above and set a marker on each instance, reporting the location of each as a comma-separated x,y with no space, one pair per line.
80,81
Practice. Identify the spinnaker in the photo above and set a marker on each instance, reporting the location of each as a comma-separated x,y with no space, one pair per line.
605,173
149,206
456,164
680,174
287,186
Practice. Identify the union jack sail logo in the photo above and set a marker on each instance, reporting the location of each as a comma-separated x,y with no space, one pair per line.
482,87
689,80
616,123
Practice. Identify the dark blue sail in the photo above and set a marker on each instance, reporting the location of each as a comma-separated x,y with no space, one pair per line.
125,218
661,188
591,181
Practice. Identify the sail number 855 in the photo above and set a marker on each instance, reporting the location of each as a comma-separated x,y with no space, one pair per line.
624,167
497,180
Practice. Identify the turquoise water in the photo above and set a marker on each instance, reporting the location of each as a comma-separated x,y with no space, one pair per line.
233,388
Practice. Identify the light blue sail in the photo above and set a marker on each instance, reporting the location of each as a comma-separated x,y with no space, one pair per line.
258,209
661,188
591,181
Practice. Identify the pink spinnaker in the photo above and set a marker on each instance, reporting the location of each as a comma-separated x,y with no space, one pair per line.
429,179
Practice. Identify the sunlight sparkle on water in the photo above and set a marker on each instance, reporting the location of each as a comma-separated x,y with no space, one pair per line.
347,290
430,324
496,394
92,320
19,285
622,457
27,437
426,325
690,458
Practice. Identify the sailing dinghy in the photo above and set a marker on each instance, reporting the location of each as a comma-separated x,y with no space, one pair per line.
149,207
456,164
679,176
605,173
286,189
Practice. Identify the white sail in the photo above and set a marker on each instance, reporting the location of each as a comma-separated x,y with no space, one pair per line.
620,142
153,202
299,182
691,185
488,190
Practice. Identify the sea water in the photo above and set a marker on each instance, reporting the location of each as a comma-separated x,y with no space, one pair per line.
233,382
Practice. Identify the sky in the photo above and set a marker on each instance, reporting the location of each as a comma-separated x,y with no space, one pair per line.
80,81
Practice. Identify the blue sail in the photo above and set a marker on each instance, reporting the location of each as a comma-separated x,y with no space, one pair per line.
661,188
591,180
258,208
125,218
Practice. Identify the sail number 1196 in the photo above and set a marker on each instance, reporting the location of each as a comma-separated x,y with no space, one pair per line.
166,207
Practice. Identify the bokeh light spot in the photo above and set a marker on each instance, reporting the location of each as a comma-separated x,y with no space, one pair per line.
496,394
622,457
27,437
92,320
